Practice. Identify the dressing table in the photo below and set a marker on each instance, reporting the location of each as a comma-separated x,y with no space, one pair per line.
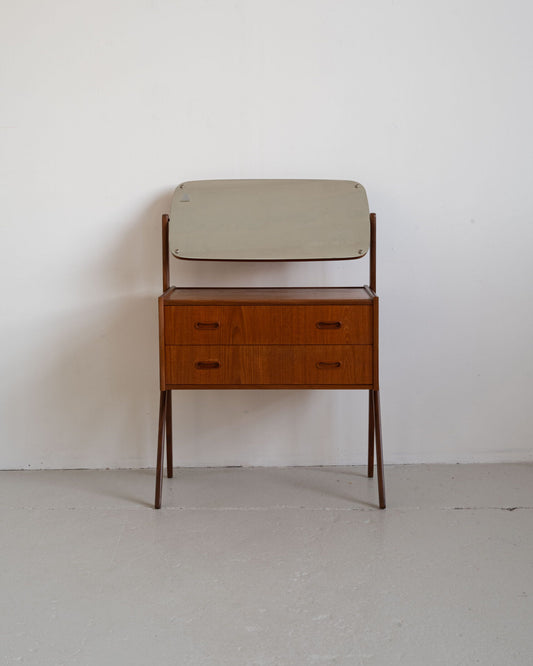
269,338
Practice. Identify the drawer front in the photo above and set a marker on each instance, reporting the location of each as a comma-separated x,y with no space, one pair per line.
268,324
268,365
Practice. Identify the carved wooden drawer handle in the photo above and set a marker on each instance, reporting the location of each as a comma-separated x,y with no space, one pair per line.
207,365
206,325
328,324
322,365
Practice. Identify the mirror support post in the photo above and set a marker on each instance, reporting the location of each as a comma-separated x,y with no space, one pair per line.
373,252
166,266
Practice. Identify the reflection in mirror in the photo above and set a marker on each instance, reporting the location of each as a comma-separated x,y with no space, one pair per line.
269,220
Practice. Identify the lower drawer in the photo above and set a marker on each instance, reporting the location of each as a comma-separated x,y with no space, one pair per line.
268,364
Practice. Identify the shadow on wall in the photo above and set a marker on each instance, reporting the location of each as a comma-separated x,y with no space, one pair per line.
85,387
90,396
84,383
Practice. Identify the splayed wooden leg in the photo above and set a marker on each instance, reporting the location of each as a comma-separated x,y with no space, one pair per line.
379,451
170,466
160,449
371,437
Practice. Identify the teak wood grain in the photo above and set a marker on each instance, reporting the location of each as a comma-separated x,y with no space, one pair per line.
269,364
268,324
261,317
267,295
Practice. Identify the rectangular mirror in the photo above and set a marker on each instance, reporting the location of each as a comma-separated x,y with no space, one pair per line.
269,220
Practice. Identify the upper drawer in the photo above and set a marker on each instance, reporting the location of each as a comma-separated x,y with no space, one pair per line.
268,324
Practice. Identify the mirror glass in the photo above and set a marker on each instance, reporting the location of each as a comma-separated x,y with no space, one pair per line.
269,220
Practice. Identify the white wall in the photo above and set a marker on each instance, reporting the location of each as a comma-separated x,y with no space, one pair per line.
107,105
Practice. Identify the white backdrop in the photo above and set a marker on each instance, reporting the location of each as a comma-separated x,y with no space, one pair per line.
108,104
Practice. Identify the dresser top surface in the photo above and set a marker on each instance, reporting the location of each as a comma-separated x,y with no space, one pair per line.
267,295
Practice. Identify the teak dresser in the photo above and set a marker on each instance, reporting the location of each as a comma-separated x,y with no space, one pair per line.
268,338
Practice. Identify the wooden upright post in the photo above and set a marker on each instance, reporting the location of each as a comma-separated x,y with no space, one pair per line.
373,252
166,267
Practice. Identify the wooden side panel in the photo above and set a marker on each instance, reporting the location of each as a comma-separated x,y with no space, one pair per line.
375,360
161,308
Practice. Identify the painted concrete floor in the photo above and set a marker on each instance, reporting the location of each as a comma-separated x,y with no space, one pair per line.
288,566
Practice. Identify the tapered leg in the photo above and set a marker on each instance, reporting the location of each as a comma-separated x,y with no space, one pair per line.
170,467
160,449
370,434
379,452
